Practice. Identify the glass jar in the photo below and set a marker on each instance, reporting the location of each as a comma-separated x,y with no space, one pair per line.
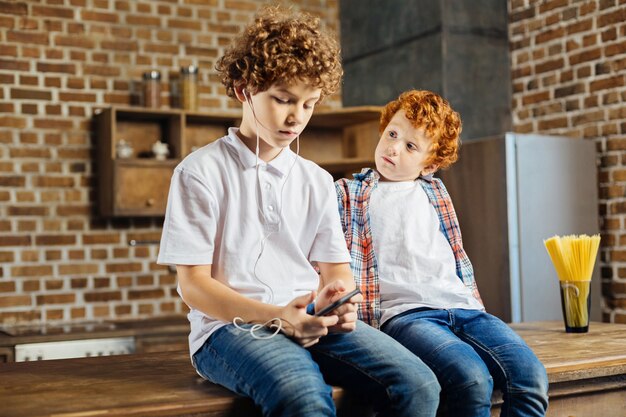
152,89
189,87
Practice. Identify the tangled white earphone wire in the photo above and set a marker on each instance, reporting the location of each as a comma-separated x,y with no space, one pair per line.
256,327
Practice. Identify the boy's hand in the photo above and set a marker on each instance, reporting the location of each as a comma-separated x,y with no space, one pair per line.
304,328
346,312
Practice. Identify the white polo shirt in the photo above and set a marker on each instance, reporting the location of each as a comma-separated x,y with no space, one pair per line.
219,213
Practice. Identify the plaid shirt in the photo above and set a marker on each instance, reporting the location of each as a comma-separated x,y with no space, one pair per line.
353,197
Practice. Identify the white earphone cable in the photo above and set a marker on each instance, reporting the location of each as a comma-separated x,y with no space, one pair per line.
256,327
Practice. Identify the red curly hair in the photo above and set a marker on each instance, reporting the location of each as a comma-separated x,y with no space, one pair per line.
433,113
281,47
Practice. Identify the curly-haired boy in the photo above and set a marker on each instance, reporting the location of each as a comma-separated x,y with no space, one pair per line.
408,260
247,218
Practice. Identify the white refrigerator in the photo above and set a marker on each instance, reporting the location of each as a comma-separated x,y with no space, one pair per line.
511,192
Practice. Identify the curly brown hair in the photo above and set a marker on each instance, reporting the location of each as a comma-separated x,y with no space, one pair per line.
434,114
281,47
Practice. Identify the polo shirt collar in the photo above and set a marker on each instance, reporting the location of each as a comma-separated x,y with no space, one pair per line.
279,165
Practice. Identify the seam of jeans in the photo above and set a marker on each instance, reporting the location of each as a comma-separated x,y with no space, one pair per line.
433,364
489,353
451,320
407,317
355,366
442,346
469,384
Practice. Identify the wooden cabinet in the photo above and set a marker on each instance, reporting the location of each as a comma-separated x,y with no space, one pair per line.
341,141
137,185
157,334
141,186
6,354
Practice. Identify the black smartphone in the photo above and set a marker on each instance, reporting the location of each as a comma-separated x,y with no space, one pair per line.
337,303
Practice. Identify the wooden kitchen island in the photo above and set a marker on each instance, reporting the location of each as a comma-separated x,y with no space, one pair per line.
587,375
587,371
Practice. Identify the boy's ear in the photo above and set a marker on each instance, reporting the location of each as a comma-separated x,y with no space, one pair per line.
430,169
240,94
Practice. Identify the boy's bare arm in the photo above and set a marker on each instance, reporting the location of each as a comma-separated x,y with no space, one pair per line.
202,292
336,280
330,272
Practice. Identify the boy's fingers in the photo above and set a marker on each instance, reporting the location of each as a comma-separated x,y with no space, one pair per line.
346,308
338,286
323,321
318,322
356,298
348,317
333,288
328,321
345,327
308,342
304,300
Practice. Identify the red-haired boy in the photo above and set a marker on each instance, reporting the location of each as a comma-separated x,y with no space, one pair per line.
417,281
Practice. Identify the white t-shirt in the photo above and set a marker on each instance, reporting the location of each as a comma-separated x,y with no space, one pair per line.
416,264
219,213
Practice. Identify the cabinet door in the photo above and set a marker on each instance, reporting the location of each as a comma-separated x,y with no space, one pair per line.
141,189
6,355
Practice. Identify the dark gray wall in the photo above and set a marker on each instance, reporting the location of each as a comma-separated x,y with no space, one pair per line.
457,48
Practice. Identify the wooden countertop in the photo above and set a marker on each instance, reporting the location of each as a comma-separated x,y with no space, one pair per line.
567,356
158,384
165,384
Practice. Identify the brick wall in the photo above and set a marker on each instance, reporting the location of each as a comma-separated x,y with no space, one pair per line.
62,59
59,61
568,66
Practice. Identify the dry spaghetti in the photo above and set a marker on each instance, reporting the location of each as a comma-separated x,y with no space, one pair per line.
573,258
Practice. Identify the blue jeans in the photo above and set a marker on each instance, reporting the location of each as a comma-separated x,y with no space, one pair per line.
285,379
471,351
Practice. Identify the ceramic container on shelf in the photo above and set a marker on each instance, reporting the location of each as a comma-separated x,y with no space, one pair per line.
160,150
123,149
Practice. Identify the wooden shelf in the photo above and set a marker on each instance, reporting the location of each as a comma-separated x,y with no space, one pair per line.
341,141
352,165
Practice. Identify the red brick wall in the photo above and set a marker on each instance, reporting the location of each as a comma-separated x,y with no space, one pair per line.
59,61
568,66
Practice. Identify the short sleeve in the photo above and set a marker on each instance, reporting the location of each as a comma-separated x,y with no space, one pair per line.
329,244
190,223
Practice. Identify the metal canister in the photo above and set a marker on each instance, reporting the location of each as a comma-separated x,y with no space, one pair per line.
152,89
